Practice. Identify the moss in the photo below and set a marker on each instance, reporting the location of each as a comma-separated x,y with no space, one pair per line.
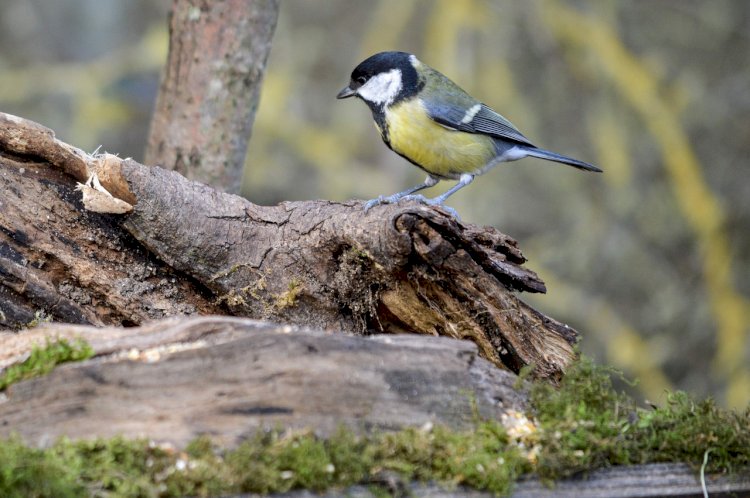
289,297
684,430
361,254
586,424
482,459
270,462
44,359
232,299
583,425
40,317
27,472
236,297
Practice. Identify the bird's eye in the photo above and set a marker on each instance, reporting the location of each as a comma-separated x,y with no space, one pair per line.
361,80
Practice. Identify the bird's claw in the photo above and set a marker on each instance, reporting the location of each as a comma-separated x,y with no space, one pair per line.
391,199
375,202
412,197
434,202
420,199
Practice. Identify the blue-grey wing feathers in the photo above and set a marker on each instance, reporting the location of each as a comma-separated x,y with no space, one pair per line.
484,120
489,122
450,106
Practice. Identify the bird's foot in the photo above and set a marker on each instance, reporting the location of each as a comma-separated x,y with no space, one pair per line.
374,202
392,199
381,199
437,201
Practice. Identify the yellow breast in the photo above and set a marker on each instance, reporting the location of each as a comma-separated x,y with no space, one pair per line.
438,150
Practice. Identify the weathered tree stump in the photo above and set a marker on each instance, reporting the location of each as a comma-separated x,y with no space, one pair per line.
186,248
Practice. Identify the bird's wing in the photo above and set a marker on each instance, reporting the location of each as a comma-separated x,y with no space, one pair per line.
468,115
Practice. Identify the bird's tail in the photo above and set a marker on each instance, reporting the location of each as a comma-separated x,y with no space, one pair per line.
559,158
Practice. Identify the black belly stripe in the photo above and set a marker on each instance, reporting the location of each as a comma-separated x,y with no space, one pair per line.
378,114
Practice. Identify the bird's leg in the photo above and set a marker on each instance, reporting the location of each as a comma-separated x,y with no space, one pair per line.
430,181
463,181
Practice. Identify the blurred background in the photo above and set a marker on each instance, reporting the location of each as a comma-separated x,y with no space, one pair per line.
649,261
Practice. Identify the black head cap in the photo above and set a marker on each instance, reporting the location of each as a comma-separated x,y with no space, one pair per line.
381,63
384,62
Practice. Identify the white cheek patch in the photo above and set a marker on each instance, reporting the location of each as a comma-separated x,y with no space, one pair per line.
382,88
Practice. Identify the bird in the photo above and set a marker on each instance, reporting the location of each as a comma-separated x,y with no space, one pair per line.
433,123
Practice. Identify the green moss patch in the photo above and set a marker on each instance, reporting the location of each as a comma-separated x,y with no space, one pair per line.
44,359
271,462
586,424
583,425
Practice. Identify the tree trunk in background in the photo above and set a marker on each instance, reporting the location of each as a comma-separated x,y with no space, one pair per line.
210,88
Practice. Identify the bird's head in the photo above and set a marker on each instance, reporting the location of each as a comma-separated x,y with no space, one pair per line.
383,79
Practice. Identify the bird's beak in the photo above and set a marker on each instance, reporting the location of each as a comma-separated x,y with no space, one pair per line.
345,93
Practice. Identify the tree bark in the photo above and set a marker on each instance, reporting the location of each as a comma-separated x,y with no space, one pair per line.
321,264
210,88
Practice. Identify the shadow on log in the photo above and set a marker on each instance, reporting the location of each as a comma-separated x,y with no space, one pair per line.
397,268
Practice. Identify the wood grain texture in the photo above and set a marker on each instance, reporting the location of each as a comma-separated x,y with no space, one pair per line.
228,378
177,378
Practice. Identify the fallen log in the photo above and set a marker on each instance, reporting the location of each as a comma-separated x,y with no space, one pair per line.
176,379
181,247
179,378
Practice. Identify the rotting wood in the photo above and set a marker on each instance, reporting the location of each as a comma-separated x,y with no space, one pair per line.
321,264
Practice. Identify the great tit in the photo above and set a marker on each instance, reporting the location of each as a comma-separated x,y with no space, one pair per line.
426,118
